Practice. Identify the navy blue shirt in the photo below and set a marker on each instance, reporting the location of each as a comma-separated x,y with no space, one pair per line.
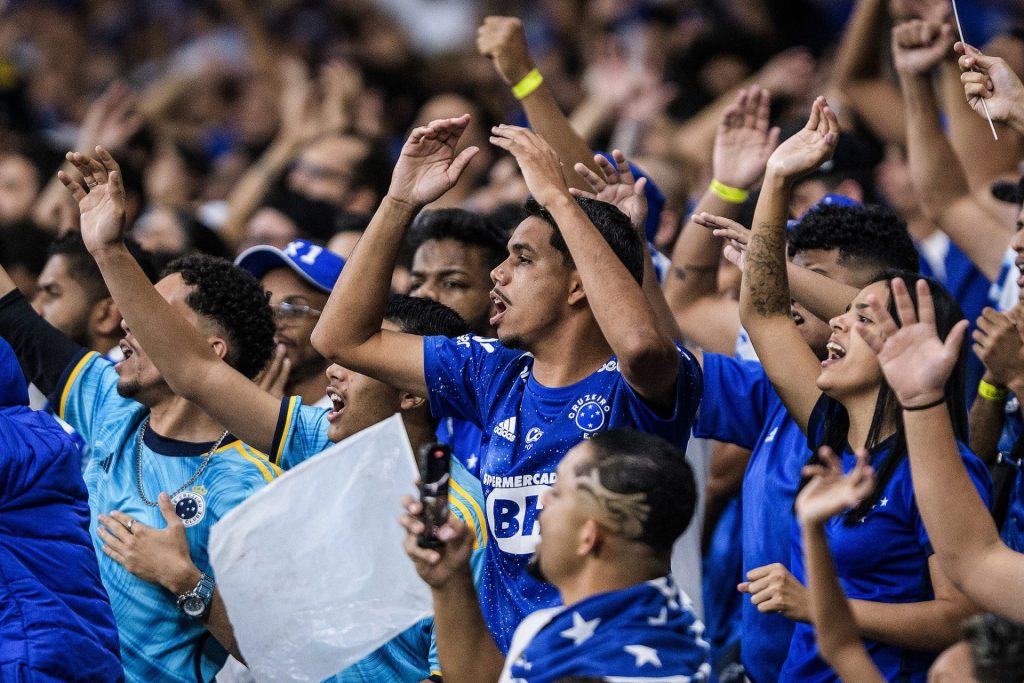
740,406
882,557
526,429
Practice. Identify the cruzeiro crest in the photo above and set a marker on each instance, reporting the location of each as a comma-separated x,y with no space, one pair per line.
589,413
190,507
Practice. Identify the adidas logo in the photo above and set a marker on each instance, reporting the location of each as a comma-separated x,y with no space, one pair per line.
506,429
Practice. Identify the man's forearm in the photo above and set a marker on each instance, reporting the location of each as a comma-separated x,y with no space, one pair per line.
696,256
985,425
355,309
822,296
618,303
465,647
216,619
548,120
930,626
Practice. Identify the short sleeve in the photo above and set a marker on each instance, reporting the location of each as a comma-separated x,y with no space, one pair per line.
737,398
87,393
301,433
689,388
461,372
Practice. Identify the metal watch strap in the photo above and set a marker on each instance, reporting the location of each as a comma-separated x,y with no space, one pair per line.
203,591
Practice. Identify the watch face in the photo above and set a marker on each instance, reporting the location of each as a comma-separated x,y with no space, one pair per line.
194,606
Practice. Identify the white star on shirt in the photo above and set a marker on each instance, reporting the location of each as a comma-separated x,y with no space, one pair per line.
471,461
659,620
644,655
581,630
883,502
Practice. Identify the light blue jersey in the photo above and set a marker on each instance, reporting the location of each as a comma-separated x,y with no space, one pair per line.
412,655
158,643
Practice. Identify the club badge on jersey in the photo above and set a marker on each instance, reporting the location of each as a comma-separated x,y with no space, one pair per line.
190,506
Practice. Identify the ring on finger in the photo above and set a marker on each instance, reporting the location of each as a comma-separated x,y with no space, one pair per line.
91,184
130,524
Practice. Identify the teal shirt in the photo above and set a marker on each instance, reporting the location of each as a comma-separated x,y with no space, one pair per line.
158,643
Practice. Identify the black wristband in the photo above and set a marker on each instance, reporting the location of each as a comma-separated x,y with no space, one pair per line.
926,406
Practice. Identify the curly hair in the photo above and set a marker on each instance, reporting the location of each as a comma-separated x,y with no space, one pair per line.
235,301
869,235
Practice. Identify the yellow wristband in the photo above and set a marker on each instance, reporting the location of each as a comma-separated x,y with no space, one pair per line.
991,391
525,87
733,195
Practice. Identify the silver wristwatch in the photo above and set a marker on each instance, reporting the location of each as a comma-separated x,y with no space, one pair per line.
196,603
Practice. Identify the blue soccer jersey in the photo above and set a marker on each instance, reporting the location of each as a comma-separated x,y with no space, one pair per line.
526,429
741,406
300,434
158,643
882,557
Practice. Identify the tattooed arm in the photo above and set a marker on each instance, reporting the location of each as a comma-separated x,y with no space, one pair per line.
764,296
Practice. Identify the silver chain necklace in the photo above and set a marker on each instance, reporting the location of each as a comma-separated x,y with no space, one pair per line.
138,464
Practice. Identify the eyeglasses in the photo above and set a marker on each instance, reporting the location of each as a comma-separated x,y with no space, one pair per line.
287,311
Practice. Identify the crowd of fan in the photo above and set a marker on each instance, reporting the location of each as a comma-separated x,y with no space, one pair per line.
800,335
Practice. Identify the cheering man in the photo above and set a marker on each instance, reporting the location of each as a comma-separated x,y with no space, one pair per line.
578,350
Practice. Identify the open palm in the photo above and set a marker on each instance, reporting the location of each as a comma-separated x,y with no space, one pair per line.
101,202
427,166
616,186
915,362
830,492
810,147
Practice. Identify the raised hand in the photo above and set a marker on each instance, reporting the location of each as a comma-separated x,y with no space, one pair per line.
810,147
830,492
503,41
617,186
274,378
997,342
101,201
992,80
110,120
789,73
918,46
427,166
915,362
744,141
735,235
537,161
437,566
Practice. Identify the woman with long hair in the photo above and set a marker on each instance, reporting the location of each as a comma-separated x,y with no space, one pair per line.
905,607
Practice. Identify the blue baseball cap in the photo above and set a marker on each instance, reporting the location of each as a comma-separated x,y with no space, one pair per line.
655,197
311,262
13,387
827,200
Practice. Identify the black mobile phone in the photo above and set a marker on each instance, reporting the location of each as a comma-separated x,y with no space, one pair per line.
434,462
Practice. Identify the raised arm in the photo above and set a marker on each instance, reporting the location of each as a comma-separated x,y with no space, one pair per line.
942,187
821,295
465,647
502,40
998,344
616,185
992,80
742,146
827,494
916,365
648,358
349,330
192,364
764,297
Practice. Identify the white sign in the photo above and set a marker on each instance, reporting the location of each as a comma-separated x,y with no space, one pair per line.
311,568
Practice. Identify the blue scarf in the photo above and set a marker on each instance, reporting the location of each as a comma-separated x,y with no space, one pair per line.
645,632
